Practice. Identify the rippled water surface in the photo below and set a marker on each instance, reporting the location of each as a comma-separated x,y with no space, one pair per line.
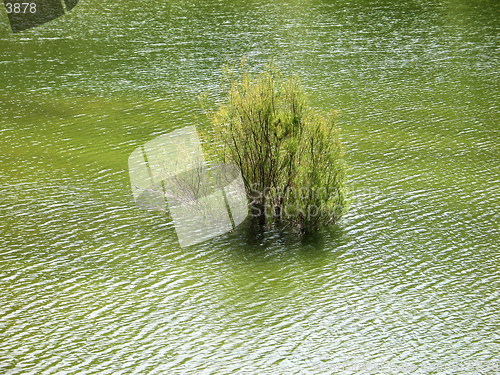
407,283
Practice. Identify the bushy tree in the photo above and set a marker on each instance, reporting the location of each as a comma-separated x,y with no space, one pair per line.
290,155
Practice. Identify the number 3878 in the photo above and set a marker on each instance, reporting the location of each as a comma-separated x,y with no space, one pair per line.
21,7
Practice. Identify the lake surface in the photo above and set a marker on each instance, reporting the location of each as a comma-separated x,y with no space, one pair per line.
407,283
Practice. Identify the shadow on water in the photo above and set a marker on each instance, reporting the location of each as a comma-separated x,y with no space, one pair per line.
253,242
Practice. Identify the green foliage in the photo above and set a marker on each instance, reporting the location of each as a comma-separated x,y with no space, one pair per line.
290,156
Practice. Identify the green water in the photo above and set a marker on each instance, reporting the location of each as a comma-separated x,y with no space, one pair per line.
407,283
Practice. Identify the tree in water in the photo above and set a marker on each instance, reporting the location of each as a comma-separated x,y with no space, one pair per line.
290,155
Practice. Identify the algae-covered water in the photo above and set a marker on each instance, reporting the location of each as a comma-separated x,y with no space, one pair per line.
407,283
